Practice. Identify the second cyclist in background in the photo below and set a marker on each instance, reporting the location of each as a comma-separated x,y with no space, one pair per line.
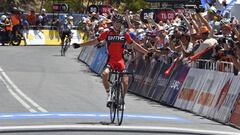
65,29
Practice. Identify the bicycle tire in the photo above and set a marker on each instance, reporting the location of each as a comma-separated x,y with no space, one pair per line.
113,104
16,40
120,104
65,47
62,51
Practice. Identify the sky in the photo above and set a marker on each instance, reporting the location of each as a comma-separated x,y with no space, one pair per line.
238,1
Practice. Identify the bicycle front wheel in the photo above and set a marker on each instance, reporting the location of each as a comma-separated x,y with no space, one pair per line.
113,104
120,104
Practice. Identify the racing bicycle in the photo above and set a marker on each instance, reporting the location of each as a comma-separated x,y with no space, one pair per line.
66,44
116,105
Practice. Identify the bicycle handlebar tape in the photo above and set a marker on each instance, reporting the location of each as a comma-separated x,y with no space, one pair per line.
196,56
76,45
169,70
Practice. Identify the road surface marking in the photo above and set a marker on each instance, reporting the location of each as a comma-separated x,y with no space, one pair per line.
19,95
93,115
110,128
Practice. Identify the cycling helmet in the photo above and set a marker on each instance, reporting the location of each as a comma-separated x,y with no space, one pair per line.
3,17
70,17
117,18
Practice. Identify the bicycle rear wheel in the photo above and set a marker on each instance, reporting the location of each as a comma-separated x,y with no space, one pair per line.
16,40
65,47
120,104
62,51
113,104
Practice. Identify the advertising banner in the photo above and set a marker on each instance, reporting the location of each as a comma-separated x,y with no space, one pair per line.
48,37
175,84
138,77
91,50
208,91
235,117
164,14
190,89
227,97
158,66
150,72
161,83
100,60
83,54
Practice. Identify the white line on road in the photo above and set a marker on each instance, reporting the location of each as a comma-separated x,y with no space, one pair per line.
16,92
96,128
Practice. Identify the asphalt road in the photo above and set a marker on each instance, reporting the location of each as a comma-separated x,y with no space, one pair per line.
42,92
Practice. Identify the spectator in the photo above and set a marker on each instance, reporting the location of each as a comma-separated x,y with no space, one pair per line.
235,58
25,23
5,29
16,21
44,19
31,18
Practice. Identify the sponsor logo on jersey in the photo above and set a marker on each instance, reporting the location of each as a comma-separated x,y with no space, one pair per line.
112,38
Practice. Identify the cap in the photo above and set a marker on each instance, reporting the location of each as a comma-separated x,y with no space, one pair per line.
43,10
70,17
3,17
204,29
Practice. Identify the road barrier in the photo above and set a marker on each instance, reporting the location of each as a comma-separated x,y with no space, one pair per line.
49,37
198,87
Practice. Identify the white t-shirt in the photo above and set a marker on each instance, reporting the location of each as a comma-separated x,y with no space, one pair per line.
205,44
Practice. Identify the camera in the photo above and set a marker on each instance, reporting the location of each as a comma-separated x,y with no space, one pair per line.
199,9
229,52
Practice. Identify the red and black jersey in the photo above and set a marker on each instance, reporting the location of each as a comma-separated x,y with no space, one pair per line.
115,43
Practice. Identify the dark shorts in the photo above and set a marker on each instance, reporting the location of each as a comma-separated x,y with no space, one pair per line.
64,34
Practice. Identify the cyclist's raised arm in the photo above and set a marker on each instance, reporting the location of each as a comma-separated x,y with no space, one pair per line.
134,44
100,38
139,48
90,43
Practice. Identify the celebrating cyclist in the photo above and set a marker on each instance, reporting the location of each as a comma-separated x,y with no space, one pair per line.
115,38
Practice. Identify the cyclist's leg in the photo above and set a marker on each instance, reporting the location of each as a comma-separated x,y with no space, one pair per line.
62,39
105,77
122,67
125,84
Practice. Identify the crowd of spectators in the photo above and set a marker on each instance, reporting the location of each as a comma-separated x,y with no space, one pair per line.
188,34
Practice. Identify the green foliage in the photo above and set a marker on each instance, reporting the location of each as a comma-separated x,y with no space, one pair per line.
78,6
133,5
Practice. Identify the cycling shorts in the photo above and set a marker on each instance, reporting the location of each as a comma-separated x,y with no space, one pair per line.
116,65
64,34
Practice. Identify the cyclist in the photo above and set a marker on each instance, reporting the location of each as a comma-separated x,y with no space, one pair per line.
115,39
65,28
5,29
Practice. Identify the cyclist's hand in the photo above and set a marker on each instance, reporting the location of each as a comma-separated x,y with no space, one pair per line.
75,45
